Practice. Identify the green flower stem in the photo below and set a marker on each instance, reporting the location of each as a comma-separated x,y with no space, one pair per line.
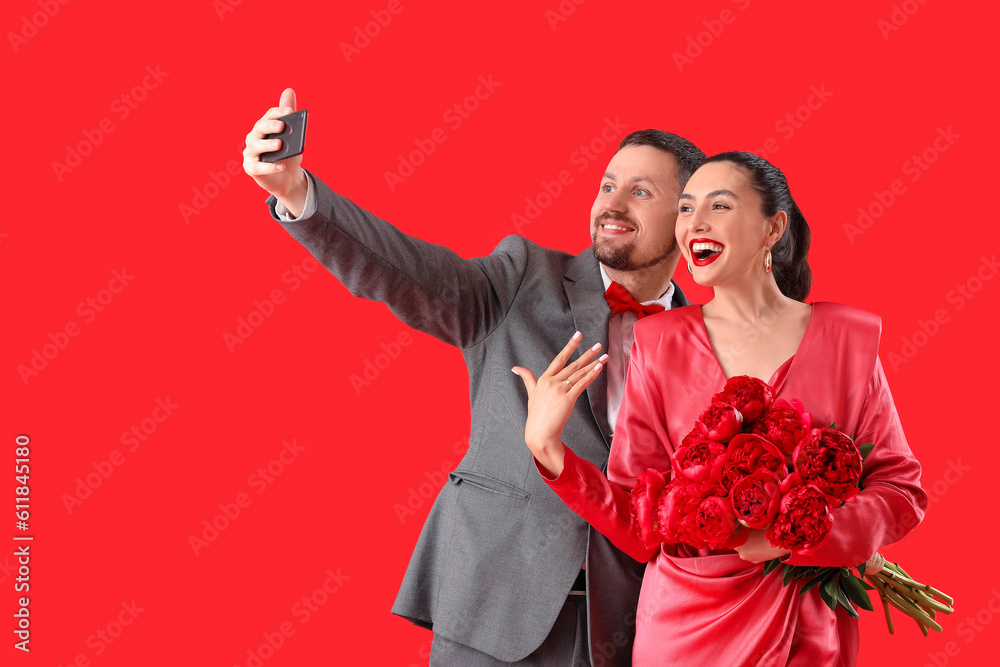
888,614
905,606
889,571
918,596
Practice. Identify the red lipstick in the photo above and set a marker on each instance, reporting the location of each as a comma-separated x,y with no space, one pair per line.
707,252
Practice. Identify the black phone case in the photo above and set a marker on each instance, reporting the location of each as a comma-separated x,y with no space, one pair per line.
293,137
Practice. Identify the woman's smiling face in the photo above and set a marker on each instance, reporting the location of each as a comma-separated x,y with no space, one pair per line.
721,228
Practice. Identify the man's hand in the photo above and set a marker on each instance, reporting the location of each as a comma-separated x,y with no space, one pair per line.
285,179
551,399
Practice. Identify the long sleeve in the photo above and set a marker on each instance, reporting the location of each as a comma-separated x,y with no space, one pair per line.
603,504
891,502
427,286
640,442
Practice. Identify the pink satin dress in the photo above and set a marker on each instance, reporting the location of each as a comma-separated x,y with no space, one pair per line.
710,607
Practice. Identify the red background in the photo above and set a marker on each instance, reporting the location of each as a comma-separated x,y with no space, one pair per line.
367,452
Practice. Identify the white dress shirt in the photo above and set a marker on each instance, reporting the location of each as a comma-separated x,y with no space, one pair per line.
620,339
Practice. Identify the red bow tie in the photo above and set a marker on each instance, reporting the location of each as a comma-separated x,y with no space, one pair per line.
621,301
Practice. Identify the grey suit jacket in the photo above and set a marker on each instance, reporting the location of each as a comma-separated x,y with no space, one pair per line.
499,550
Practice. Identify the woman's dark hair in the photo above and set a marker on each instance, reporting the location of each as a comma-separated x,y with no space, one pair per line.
790,255
689,157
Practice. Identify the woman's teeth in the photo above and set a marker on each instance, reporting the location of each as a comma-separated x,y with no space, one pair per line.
704,250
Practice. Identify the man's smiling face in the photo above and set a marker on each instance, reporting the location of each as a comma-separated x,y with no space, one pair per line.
632,219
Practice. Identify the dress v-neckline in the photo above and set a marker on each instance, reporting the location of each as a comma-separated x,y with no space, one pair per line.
785,365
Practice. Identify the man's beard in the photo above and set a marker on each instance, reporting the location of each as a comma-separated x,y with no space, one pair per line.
620,258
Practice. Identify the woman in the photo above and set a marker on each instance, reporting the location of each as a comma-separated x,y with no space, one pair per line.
742,234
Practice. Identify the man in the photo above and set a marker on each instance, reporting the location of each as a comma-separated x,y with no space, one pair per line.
496,573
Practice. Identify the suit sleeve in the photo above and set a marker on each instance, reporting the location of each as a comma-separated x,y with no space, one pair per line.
427,286
891,502
639,444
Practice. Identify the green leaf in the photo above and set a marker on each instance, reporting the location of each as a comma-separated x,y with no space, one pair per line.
819,578
834,426
786,575
771,565
856,592
843,601
861,568
827,598
830,586
866,449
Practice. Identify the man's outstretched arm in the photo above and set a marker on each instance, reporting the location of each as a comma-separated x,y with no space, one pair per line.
427,286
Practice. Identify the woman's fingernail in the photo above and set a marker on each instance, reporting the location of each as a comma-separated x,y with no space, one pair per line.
514,371
577,335
604,357
596,347
597,368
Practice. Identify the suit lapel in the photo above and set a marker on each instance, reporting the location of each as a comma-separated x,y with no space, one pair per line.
585,293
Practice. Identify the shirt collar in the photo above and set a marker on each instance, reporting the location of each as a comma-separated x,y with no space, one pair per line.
664,299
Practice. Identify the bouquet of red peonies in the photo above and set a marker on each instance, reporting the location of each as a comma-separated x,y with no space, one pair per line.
755,463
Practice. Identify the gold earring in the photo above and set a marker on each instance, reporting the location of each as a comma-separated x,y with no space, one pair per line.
767,260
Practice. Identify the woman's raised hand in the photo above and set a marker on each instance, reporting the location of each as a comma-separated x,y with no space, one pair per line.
551,398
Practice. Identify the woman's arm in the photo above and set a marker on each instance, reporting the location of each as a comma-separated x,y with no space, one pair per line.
890,503
638,445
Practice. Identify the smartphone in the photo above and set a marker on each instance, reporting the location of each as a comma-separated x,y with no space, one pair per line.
293,137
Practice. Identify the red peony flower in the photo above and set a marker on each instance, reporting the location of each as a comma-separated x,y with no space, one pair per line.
804,520
782,426
677,508
756,499
699,459
645,501
747,453
829,460
716,526
748,395
720,422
